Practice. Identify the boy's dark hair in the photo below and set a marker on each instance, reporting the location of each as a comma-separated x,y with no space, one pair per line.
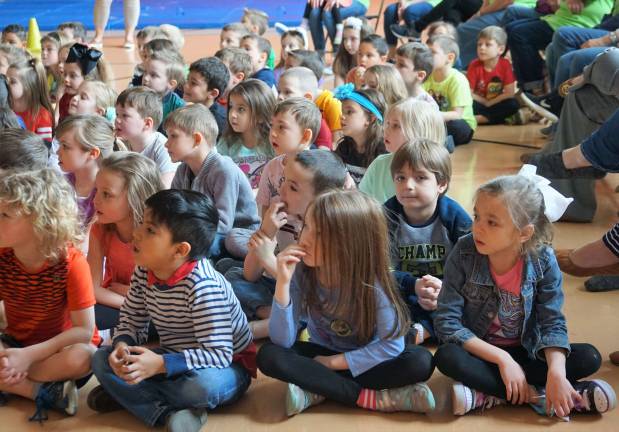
419,54
79,31
214,72
377,42
17,29
424,153
189,215
22,150
145,101
263,44
328,169
310,60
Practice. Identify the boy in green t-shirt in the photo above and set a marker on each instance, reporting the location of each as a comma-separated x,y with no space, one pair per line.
450,89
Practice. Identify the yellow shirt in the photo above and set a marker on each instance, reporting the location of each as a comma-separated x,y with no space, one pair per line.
331,109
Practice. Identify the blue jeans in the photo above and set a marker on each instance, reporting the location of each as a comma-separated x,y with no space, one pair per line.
525,38
565,40
601,149
572,63
154,399
252,295
411,14
469,30
319,17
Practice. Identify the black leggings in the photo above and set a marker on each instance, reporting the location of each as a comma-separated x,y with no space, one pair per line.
455,362
453,11
497,113
296,365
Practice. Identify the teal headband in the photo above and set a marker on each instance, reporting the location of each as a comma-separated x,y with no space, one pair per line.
348,92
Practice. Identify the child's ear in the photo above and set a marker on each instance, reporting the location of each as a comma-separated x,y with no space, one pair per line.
264,56
172,84
182,250
214,93
526,233
149,123
308,96
421,75
308,136
383,59
451,57
442,187
501,49
94,153
100,111
197,138
240,76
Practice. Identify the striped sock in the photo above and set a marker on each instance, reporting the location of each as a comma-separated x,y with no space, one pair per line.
367,399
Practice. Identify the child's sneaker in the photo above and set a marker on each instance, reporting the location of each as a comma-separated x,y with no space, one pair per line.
417,398
465,399
58,395
186,420
101,401
597,396
298,400
522,117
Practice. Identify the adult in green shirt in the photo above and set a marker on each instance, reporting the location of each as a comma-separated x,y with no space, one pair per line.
526,37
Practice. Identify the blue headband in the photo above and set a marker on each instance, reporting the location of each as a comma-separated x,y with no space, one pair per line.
347,91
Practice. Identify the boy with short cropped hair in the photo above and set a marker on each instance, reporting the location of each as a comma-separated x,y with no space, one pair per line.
424,225
22,150
258,49
207,81
450,89
257,22
239,66
231,35
14,34
306,58
414,62
73,31
164,71
301,82
138,115
492,79
175,286
305,176
192,133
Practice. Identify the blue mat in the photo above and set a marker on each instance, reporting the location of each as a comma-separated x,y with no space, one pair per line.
188,14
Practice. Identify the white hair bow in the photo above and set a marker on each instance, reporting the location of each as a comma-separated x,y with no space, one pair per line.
554,201
353,22
282,28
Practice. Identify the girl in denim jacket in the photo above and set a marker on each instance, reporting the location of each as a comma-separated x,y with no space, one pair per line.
499,312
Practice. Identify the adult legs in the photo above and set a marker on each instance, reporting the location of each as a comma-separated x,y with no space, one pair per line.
355,9
102,14
131,10
525,38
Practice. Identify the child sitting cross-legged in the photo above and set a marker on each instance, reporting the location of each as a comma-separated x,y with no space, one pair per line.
424,225
197,365
47,292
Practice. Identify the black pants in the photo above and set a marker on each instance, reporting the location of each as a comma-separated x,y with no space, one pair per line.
496,114
455,362
460,131
296,365
453,11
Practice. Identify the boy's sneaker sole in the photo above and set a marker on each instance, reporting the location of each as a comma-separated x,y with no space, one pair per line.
101,401
463,399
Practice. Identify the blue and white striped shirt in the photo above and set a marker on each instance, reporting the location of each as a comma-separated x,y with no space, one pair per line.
199,319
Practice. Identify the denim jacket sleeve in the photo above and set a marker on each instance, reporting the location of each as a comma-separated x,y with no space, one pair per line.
448,319
548,303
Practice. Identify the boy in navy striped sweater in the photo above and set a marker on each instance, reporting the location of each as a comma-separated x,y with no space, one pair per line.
206,356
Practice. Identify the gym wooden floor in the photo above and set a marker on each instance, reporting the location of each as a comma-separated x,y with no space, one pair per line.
591,317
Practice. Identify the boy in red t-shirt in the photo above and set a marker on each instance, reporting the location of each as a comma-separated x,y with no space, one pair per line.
492,80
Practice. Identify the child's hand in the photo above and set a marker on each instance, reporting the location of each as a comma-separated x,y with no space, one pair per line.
516,386
287,261
118,358
12,373
142,364
560,395
333,362
263,246
427,289
273,219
